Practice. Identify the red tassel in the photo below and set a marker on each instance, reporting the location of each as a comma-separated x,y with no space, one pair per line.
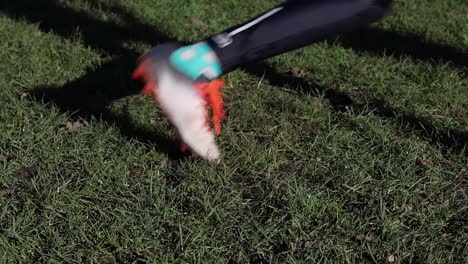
139,72
148,88
212,95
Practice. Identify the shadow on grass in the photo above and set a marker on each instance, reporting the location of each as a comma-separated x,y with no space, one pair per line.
97,34
448,139
91,94
390,43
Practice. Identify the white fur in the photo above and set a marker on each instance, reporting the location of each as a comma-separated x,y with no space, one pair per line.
186,110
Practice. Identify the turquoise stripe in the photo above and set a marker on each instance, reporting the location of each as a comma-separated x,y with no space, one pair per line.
196,60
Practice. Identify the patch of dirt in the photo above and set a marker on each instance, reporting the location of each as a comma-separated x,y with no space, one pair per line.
392,258
239,259
426,162
7,191
164,164
360,237
23,95
462,194
307,245
299,73
460,175
20,176
197,23
24,173
73,126
369,237
460,112
446,203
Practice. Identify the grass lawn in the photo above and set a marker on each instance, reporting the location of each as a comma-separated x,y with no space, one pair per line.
353,150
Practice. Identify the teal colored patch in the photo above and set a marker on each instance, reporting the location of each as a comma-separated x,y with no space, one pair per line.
196,60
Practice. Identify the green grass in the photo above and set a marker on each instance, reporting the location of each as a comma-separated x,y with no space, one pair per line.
352,150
